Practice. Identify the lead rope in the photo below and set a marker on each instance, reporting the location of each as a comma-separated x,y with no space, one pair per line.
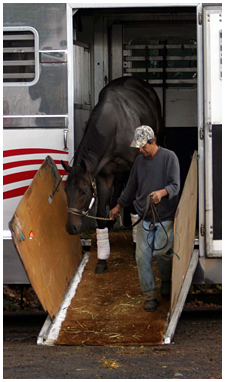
154,210
155,214
149,204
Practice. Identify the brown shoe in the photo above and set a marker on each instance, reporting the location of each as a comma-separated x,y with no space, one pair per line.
151,305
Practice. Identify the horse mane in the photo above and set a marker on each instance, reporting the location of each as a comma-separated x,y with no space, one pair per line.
76,171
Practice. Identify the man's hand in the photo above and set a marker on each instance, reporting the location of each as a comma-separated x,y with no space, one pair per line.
114,213
158,195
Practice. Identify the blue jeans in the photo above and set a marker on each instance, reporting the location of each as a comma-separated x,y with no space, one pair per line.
144,254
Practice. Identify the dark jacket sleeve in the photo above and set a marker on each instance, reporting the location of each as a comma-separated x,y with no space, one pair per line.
172,176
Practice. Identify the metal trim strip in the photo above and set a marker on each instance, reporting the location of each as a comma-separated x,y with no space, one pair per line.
9,153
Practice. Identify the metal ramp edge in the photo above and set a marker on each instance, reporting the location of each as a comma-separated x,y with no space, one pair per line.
50,330
181,299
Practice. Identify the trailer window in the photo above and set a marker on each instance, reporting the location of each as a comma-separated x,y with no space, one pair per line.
20,56
170,62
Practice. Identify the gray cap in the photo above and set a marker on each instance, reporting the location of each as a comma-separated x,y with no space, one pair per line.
141,136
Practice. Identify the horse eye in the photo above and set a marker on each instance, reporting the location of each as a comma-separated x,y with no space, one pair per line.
83,192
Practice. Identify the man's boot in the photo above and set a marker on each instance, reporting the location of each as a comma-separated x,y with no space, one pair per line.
151,302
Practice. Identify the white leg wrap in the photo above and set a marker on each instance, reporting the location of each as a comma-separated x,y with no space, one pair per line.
103,246
134,218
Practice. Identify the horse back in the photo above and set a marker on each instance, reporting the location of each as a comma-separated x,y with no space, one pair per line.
136,95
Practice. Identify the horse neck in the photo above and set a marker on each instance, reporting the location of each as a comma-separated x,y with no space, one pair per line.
90,158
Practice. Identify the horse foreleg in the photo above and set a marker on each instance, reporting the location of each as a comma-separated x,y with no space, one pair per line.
104,186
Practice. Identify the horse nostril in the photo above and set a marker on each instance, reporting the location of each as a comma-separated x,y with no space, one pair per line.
71,229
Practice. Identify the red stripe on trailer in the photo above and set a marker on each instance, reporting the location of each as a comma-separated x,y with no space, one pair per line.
18,192
14,193
8,165
20,176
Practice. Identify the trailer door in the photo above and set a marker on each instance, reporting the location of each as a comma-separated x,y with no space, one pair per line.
212,43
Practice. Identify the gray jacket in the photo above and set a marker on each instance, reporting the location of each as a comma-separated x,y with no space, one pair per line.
152,174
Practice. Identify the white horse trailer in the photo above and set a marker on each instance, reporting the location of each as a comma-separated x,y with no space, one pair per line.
57,58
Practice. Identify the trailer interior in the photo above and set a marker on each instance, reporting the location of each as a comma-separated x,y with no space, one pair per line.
157,45
160,45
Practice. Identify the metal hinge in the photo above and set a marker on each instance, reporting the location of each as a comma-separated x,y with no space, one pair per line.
210,129
200,18
201,133
202,230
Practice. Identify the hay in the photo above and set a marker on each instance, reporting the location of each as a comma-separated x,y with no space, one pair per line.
110,363
108,309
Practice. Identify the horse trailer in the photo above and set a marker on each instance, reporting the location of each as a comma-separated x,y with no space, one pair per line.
57,57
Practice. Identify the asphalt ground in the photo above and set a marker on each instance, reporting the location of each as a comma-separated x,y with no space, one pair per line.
195,352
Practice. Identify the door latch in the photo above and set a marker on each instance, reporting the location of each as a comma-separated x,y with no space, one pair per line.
202,230
65,135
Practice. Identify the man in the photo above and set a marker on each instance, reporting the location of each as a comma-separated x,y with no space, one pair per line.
155,172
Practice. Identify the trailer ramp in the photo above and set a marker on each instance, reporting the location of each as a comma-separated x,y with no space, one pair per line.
86,308
108,309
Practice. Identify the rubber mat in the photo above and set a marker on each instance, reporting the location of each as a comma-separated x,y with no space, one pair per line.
108,309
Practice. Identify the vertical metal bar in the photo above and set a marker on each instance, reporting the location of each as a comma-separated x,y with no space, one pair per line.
146,61
164,84
98,59
70,81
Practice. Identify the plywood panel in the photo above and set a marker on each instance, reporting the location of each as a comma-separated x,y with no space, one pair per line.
184,231
51,256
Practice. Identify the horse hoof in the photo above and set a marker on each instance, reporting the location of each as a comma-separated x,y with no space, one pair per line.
101,267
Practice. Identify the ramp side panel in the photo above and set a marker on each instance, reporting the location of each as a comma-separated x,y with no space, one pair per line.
184,231
51,256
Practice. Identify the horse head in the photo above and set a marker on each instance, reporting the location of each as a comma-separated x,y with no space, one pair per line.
80,191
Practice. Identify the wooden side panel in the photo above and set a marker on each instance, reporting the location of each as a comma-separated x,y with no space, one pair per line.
49,254
184,231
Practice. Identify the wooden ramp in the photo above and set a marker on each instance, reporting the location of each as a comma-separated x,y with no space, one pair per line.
108,309
84,307
49,254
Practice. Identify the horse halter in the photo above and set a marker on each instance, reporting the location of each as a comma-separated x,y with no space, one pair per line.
81,213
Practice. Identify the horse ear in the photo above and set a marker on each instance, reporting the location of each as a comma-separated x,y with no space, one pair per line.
83,165
66,166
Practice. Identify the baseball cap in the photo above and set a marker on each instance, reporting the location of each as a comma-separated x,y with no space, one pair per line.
141,136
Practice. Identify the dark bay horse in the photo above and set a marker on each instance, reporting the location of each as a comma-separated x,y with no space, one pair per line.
104,152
